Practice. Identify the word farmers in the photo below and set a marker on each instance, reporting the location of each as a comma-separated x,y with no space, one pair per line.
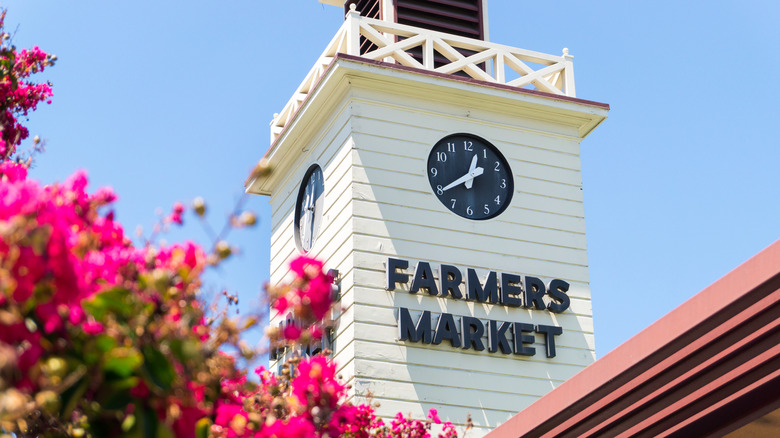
468,333
510,290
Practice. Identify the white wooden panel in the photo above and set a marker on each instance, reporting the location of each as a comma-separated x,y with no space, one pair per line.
384,230
538,202
455,378
344,356
447,395
344,331
430,111
537,226
536,366
504,231
445,119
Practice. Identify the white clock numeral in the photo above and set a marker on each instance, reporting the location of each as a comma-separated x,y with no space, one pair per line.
498,200
439,190
469,211
434,172
441,156
484,153
468,145
503,184
487,209
450,147
453,202
497,166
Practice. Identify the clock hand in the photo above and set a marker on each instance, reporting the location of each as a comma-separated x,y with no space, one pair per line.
467,177
471,169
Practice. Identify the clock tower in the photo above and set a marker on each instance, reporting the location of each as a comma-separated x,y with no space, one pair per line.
439,174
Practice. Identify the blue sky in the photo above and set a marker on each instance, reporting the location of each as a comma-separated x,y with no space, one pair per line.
165,101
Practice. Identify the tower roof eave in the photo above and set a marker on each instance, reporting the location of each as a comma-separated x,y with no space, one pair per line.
583,115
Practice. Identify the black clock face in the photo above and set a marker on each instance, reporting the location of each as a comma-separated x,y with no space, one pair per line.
470,176
308,209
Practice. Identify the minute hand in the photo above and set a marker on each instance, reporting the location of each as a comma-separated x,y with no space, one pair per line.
467,177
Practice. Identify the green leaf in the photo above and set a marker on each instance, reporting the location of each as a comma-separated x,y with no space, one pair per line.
123,361
148,422
128,423
202,428
111,301
105,343
147,425
163,431
122,384
114,393
72,396
159,368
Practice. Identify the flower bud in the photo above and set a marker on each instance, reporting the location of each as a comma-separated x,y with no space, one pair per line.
199,205
223,250
247,218
56,366
48,401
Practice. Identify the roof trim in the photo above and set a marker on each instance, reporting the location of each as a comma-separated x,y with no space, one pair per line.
590,114
709,366
470,80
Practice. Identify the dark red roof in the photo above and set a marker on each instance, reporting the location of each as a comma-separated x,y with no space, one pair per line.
707,368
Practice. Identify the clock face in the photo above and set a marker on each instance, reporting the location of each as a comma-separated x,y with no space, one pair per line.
470,176
308,209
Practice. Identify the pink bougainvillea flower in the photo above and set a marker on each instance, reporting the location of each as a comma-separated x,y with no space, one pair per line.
92,328
302,266
316,383
292,332
433,414
176,214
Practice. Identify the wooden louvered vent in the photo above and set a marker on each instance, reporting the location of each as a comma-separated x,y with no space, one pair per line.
458,17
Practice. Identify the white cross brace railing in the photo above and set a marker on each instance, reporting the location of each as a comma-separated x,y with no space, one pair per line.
478,59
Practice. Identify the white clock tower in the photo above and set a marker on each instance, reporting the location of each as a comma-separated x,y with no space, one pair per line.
439,173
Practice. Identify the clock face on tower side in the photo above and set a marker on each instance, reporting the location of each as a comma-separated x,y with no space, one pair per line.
308,208
470,176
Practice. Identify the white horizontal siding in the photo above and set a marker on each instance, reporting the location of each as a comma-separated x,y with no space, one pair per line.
379,204
530,225
444,361
541,234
